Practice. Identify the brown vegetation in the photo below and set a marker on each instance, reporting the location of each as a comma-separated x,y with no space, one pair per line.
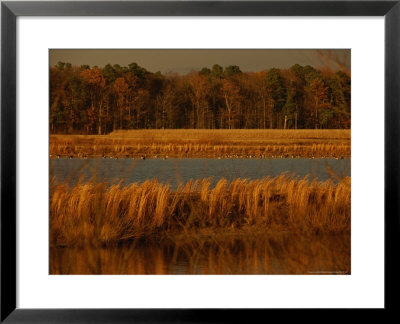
94,213
205,143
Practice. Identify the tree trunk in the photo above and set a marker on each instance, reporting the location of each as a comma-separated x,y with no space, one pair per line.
120,117
265,108
129,116
229,110
100,116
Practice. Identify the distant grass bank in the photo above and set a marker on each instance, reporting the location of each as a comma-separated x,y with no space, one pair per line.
94,213
190,143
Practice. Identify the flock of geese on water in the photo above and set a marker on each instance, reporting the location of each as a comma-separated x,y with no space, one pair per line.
233,156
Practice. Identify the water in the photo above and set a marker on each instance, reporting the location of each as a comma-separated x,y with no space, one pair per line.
176,170
277,254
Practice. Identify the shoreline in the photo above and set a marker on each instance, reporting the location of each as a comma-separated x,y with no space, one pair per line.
190,143
138,156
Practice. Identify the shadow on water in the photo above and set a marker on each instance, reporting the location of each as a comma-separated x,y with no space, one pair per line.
257,254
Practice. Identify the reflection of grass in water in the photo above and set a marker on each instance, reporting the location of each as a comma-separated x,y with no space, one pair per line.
96,213
229,254
177,172
338,175
77,175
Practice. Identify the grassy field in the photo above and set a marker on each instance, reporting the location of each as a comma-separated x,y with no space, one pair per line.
94,213
205,143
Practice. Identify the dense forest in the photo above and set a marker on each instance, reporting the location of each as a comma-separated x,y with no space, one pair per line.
85,100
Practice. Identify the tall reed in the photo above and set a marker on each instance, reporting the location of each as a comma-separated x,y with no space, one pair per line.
93,213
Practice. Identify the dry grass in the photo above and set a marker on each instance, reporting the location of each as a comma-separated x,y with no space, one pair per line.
93,213
205,143
232,135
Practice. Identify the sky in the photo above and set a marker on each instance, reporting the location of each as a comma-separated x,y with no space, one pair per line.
183,61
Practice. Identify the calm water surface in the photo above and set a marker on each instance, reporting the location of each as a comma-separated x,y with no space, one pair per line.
279,254
176,170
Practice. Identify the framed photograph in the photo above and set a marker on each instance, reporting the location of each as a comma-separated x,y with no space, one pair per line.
197,161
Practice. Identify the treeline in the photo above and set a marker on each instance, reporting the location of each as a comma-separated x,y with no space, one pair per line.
99,100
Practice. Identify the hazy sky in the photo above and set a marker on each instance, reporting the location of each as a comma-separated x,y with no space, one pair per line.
183,61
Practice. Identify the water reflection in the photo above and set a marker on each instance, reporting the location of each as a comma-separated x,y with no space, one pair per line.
255,254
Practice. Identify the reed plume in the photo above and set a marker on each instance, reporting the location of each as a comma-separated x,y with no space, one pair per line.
95,213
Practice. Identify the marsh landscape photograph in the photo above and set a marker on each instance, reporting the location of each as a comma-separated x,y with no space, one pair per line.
200,161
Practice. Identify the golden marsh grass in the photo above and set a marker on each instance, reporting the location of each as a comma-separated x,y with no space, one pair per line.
94,213
205,143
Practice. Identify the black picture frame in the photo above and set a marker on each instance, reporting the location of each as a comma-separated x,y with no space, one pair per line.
9,13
